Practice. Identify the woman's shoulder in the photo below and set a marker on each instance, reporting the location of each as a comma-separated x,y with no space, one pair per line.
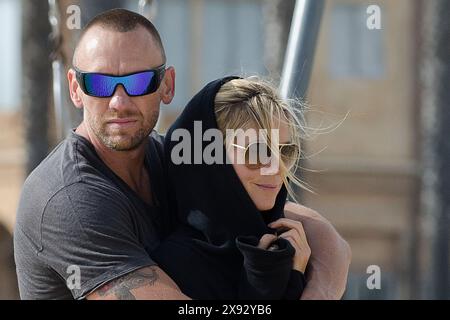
297,211
318,229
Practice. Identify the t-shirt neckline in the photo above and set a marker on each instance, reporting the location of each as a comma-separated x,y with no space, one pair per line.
147,163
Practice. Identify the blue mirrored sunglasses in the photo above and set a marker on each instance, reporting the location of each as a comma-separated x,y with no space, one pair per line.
135,84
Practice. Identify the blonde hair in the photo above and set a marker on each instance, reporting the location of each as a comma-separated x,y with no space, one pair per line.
244,103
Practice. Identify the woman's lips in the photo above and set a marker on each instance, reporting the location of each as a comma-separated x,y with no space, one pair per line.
266,186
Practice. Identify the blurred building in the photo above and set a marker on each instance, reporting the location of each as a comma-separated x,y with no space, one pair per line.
369,184
12,153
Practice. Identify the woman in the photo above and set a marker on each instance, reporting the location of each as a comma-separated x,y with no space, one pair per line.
230,242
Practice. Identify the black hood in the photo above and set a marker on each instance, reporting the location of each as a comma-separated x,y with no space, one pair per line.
210,197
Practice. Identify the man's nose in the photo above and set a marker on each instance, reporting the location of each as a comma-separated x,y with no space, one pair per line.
120,99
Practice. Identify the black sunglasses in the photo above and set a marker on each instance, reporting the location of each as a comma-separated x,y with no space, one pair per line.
135,84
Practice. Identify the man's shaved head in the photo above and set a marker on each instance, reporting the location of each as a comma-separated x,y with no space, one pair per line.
121,20
119,42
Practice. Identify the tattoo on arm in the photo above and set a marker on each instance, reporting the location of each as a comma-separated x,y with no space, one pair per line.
122,286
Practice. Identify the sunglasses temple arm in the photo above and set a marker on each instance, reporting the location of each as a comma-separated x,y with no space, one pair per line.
238,146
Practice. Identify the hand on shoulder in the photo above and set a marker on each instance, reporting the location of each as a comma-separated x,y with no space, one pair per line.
330,254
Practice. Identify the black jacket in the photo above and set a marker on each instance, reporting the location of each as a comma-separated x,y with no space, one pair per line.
212,253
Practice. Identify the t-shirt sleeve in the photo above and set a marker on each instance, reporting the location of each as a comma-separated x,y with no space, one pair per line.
89,237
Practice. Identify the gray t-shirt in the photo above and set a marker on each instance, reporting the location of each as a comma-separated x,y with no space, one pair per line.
79,225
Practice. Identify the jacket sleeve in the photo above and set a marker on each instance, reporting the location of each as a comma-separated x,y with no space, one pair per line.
268,275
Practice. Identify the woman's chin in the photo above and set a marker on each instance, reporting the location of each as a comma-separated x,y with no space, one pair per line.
264,204
265,200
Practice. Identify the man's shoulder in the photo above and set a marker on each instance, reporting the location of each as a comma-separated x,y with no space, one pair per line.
34,199
41,185
69,164
68,208
86,200
64,180
53,171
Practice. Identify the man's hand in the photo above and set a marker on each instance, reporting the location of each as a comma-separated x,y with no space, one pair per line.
330,255
149,283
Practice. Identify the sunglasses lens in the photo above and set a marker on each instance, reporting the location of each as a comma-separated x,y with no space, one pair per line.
289,154
99,85
258,155
137,84
140,83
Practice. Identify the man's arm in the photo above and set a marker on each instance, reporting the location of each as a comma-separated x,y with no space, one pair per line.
330,255
148,283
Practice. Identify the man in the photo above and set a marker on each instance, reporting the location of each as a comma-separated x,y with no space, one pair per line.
93,210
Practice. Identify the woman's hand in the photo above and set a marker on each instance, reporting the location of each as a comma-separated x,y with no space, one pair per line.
297,238
266,240
330,254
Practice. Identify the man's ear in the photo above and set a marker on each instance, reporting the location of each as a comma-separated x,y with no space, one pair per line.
74,89
168,86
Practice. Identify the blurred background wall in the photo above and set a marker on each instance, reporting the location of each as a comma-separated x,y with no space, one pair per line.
371,170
